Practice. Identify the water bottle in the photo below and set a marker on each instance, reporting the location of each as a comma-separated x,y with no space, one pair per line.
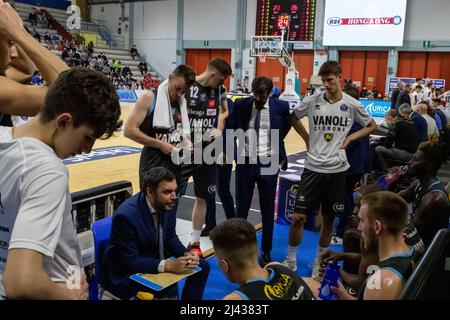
330,279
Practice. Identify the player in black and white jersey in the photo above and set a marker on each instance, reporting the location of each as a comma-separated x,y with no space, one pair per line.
331,115
236,250
159,142
207,110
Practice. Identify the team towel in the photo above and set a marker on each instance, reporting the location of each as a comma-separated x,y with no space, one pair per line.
162,118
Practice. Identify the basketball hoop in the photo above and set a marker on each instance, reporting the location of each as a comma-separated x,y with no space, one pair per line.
263,56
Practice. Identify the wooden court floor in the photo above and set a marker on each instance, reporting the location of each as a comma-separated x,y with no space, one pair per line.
98,172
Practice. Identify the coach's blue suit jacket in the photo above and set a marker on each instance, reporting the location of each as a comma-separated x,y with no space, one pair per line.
133,245
280,118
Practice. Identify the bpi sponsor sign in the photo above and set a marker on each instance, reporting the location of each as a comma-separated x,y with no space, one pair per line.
335,21
376,23
376,108
393,82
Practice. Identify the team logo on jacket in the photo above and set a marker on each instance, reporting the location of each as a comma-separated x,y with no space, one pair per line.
203,97
211,103
344,108
328,136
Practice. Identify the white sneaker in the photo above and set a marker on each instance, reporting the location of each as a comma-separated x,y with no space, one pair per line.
290,263
335,240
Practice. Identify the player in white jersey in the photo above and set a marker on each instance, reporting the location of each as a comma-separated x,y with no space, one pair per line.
416,97
39,253
331,115
446,97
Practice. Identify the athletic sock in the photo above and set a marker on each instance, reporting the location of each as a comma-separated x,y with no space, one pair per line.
321,250
195,236
292,252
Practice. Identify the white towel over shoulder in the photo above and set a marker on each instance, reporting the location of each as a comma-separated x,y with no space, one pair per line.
162,117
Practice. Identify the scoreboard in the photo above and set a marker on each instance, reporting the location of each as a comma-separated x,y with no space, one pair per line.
297,17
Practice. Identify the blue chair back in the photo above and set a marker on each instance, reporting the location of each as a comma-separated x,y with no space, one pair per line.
101,230
382,183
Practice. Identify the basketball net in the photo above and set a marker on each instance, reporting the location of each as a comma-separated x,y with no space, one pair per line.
263,56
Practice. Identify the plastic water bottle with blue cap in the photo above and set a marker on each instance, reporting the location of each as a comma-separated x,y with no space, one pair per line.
330,279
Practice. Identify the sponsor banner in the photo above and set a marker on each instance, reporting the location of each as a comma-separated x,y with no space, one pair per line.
376,108
102,153
393,82
302,45
127,95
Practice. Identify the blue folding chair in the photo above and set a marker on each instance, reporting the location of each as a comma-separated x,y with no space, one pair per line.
101,230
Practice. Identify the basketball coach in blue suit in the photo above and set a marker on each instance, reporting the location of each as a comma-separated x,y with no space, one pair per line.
260,114
143,238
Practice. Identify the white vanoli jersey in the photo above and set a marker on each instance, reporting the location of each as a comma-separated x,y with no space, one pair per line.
35,208
447,98
329,125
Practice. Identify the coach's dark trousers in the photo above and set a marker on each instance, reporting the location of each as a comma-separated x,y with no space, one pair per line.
247,175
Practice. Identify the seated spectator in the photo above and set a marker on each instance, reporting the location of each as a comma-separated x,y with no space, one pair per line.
375,92
47,37
236,250
427,194
355,256
420,123
106,69
438,105
401,141
364,93
32,17
423,109
143,238
382,217
134,52
126,71
439,117
143,67
36,35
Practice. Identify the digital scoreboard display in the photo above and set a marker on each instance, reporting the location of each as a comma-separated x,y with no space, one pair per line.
295,16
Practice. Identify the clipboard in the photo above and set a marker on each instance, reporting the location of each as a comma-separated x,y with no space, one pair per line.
161,281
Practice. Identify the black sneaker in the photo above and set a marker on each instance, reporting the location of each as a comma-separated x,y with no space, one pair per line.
265,259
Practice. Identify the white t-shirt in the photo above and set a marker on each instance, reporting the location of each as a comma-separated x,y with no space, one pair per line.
428,95
5,134
431,124
447,98
36,208
416,98
329,125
